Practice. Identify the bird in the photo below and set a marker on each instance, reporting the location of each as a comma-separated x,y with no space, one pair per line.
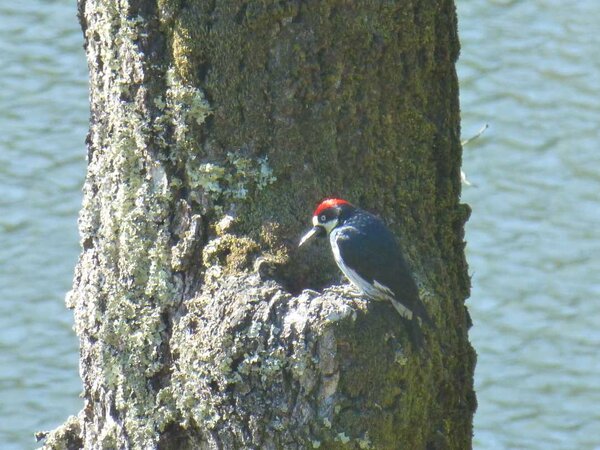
369,255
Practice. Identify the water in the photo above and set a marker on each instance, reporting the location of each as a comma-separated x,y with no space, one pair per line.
529,69
532,71
43,121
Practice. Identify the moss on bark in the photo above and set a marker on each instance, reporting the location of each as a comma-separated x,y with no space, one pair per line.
215,127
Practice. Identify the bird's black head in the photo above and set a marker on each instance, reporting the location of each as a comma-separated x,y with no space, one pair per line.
329,214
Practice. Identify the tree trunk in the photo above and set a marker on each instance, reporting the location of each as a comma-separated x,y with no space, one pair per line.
215,128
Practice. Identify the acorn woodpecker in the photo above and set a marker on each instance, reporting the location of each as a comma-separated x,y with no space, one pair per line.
369,256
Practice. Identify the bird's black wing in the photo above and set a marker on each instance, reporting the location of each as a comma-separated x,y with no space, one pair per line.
376,256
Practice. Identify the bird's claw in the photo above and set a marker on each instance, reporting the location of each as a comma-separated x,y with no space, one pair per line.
346,290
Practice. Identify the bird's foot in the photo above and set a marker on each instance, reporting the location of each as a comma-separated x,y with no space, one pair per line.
347,290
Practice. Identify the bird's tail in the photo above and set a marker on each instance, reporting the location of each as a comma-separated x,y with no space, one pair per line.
423,316
415,333
415,320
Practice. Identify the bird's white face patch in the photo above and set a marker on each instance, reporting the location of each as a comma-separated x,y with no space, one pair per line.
318,222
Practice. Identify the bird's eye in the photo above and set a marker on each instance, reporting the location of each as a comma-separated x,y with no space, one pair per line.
323,218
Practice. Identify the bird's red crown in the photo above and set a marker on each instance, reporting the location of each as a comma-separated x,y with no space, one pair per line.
329,203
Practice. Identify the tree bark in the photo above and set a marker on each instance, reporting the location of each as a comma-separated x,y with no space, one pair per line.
215,128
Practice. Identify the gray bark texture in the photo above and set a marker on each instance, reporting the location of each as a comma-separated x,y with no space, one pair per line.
215,129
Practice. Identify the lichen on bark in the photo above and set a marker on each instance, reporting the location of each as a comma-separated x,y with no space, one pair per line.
215,127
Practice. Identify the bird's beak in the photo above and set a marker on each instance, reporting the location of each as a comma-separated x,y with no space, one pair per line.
312,232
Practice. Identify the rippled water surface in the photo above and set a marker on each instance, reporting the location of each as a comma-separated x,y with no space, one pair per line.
43,120
532,71
529,69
